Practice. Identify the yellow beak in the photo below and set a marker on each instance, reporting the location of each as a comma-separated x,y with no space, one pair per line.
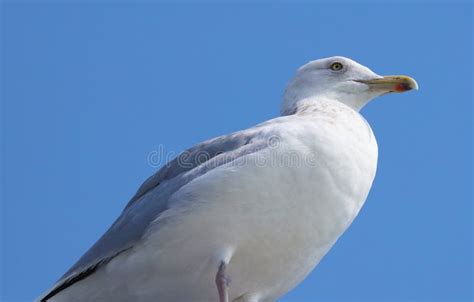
397,83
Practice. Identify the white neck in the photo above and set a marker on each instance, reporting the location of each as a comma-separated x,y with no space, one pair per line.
301,92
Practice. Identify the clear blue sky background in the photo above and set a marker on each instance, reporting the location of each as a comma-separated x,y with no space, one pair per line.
89,90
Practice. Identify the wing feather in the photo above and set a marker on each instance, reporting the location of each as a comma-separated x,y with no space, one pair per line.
152,199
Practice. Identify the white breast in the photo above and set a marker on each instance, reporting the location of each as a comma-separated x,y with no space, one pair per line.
274,214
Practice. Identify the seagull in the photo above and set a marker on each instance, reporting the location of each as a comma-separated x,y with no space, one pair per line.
246,216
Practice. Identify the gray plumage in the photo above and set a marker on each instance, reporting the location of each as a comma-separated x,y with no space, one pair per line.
152,198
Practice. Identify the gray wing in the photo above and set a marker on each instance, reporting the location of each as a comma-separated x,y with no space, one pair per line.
152,199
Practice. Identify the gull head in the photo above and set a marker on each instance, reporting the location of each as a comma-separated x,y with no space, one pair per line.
340,79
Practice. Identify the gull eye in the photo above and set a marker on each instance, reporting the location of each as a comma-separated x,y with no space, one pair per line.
336,66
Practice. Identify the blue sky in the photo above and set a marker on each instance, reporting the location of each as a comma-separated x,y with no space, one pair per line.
89,90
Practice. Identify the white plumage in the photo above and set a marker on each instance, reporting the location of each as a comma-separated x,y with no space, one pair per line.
262,209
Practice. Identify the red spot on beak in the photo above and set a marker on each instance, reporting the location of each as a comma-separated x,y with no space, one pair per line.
402,87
